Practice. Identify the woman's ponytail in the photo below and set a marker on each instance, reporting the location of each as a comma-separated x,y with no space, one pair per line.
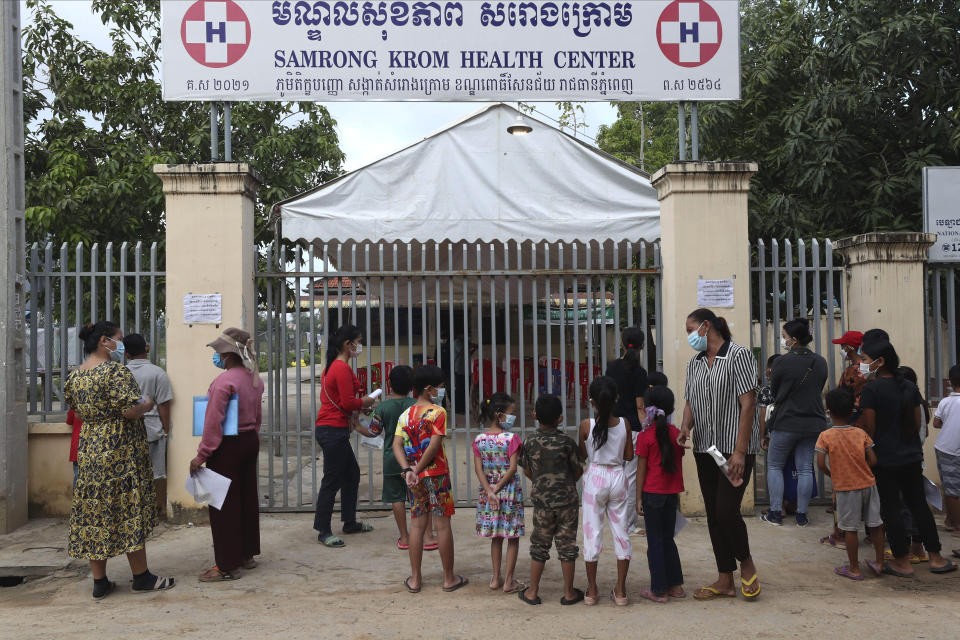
661,398
603,392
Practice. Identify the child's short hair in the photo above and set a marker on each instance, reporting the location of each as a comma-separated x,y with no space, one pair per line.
955,377
657,379
840,403
135,344
549,409
401,379
428,375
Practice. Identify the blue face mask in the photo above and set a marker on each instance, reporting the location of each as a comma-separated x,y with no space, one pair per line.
508,421
117,354
218,361
440,395
697,341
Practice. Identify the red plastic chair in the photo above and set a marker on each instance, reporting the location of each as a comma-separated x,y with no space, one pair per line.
586,379
383,377
488,377
515,380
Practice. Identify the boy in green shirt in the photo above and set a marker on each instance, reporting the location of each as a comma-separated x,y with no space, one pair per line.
394,486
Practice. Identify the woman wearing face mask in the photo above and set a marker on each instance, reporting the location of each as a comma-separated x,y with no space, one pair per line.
892,416
797,384
236,525
721,411
114,505
339,399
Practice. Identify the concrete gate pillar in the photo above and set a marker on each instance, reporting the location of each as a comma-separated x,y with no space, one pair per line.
884,289
210,225
704,235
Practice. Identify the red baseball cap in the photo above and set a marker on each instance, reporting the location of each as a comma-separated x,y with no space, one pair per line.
850,338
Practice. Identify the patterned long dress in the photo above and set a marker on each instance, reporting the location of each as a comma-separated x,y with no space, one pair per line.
114,504
494,451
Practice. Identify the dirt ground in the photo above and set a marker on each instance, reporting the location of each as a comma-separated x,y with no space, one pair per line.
304,590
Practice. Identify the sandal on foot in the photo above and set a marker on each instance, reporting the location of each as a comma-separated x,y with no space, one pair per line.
406,583
433,546
517,586
218,576
833,542
617,600
110,587
947,568
357,527
523,596
332,541
461,582
402,547
876,568
711,593
162,584
678,596
646,594
578,597
845,572
890,571
747,583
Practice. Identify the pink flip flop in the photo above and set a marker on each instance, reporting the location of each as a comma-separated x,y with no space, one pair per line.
646,594
402,547
845,572
431,547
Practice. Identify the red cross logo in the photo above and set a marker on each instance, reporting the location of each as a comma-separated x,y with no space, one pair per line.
216,33
689,32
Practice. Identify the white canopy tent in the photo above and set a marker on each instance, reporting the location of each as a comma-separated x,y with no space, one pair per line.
475,182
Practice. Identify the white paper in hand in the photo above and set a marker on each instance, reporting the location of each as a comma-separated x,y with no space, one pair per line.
680,524
208,486
932,492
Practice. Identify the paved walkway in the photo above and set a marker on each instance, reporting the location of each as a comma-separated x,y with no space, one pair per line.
303,590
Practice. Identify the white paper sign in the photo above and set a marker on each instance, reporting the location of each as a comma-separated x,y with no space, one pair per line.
466,50
715,293
208,486
202,308
941,211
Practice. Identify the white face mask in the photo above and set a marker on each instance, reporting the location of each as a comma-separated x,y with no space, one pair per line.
357,350
865,369
785,344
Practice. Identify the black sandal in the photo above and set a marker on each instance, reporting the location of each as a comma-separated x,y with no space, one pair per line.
110,587
523,597
576,599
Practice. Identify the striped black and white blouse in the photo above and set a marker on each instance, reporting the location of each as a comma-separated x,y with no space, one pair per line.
713,395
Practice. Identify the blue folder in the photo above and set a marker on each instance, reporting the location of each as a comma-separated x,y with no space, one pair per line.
229,420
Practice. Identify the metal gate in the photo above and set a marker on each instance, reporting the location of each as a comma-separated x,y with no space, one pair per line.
795,280
524,318
942,292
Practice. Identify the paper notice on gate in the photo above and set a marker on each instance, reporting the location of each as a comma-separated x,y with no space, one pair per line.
932,492
202,308
715,293
208,486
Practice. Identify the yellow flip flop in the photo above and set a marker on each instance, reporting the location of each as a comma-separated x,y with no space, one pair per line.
747,583
711,593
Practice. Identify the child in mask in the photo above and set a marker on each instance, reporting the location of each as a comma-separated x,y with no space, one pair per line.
500,505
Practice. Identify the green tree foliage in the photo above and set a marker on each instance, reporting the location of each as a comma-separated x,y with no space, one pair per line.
843,102
645,134
96,123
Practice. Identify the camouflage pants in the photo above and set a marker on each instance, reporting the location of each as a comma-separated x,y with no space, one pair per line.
558,525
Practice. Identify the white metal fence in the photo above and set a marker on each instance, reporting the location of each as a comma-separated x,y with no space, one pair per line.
942,292
70,286
802,279
525,319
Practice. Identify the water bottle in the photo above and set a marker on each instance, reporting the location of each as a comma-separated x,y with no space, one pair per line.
724,465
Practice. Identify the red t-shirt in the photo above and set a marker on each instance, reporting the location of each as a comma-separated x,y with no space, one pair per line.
658,480
76,423
338,388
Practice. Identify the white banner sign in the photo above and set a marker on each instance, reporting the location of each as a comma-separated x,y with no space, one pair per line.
342,50
941,211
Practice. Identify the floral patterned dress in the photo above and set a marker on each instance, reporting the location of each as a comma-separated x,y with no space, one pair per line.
494,451
114,504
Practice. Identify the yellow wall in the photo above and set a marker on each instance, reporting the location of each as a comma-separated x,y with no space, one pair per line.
703,225
210,249
50,475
